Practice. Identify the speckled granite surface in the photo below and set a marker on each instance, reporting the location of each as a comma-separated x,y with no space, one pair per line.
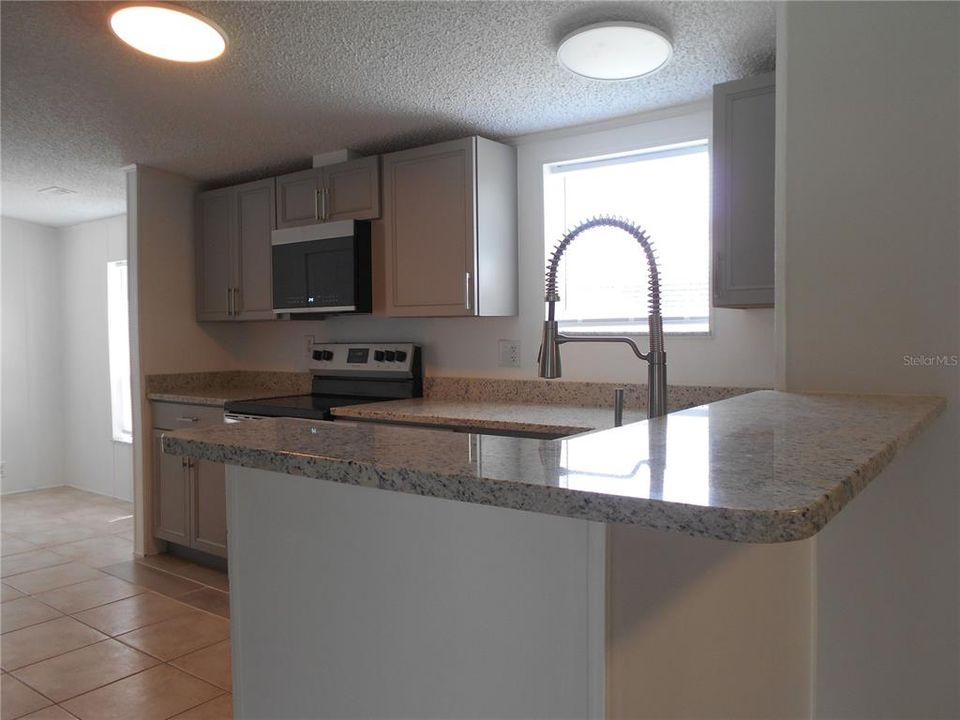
535,391
764,467
217,388
559,420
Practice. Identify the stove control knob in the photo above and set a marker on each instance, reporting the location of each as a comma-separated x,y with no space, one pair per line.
391,355
318,355
327,355
401,355
378,355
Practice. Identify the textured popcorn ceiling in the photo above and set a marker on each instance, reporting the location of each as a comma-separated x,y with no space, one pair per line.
298,78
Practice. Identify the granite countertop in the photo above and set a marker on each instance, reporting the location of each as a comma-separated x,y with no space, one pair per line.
214,397
556,420
220,387
762,467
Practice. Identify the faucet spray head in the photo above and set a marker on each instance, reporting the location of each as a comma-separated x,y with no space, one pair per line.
549,358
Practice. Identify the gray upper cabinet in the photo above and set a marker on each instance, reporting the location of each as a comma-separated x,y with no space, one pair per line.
257,218
298,198
343,191
234,266
215,238
743,194
352,190
450,230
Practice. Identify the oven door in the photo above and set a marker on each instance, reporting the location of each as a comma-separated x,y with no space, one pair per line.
330,273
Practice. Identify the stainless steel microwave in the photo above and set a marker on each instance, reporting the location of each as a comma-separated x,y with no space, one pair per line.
323,268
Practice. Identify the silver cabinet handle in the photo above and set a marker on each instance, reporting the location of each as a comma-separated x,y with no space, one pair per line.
229,302
467,294
326,203
187,418
316,204
236,302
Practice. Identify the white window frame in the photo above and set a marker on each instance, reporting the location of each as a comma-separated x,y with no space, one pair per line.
672,127
118,338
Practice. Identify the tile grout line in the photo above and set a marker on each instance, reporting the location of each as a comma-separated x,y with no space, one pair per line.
187,607
140,562
215,697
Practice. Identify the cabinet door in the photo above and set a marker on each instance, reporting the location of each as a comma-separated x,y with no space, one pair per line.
352,190
256,213
430,230
171,495
298,201
743,177
208,507
216,276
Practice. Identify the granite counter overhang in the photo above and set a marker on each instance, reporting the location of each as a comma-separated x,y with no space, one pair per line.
763,467
488,417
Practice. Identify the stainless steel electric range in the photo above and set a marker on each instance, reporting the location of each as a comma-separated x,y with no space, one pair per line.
343,374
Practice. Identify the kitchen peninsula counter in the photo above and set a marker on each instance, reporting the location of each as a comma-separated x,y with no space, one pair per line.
421,567
764,467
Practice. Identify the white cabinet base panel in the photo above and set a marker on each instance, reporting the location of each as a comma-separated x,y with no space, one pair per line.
351,602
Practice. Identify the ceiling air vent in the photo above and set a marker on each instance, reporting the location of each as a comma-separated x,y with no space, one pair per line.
56,190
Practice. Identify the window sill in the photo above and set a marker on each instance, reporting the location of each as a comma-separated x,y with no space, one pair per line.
125,439
643,333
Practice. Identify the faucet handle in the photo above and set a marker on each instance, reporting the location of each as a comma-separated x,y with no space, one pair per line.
618,395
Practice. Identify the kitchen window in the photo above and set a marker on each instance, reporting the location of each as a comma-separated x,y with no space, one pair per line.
603,275
118,336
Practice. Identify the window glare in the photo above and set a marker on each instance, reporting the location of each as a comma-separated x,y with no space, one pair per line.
118,334
603,276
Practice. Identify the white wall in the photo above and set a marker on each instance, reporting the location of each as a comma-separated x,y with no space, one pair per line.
739,352
56,416
32,419
869,272
95,461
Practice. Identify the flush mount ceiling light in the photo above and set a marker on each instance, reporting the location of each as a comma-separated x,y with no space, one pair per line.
169,32
615,51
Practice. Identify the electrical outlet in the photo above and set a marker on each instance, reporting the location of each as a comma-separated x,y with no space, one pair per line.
510,353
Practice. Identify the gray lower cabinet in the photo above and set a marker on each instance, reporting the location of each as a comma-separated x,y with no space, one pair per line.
743,192
450,229
190,503
208,495
234,260
171,485
343,191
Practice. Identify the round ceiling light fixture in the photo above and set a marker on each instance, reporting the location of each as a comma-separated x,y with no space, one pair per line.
615,51
169,32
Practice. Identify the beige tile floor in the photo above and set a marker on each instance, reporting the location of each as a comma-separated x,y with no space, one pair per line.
90,632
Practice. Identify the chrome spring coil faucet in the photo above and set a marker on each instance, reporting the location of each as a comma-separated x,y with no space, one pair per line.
656,357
